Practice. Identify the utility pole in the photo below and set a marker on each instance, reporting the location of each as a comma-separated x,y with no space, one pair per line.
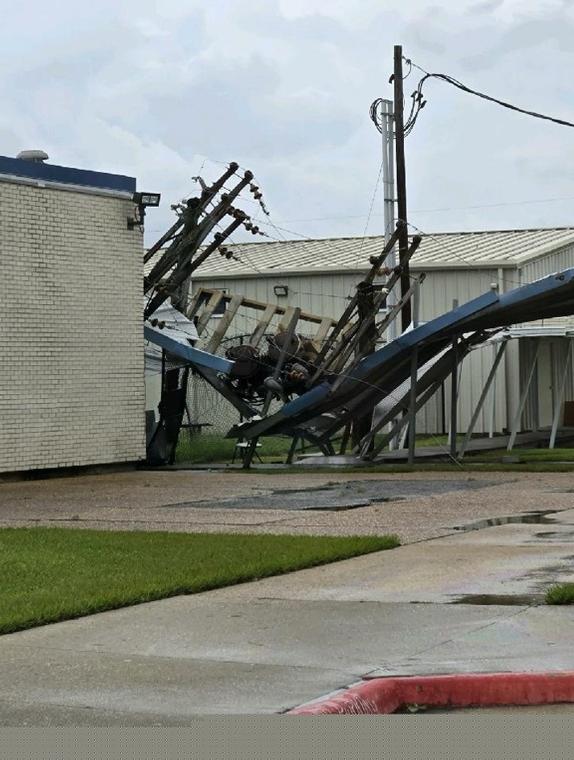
389,196
367,345
401,182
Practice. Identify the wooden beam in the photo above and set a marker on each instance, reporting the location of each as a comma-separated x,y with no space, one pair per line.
252,303
287,317
323,331
262,325
210,307
223,324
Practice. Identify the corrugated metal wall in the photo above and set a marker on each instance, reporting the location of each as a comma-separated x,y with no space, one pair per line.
440,292
328,295
553,262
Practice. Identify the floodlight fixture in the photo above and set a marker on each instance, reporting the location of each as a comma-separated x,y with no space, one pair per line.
143,201
147,199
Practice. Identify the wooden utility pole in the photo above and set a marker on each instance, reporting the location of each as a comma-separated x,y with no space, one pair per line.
367,344
401,183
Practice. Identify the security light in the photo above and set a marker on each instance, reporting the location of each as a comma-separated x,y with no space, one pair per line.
142,201
281,290
147,199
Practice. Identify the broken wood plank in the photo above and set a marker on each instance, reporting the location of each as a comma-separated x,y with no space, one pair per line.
323,331
262,325
287,318
224,323
252,303
210,307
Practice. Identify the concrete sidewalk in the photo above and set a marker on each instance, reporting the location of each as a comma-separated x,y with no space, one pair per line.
265,647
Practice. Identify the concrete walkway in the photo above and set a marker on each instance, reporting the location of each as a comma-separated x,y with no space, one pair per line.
267,646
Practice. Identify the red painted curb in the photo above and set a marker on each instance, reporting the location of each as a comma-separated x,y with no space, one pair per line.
380,696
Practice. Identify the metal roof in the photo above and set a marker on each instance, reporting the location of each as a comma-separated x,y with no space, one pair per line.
500,248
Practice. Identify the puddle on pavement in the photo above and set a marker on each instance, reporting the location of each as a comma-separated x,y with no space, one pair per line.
505,600
556,535
535,518
334,496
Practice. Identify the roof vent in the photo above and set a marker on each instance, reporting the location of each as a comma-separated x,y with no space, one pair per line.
36,156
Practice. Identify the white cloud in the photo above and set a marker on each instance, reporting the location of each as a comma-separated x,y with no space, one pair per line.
283,86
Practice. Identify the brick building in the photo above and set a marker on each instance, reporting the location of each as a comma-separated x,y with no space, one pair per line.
71,334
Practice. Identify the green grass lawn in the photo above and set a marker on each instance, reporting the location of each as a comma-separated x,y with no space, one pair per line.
51,574
467,467
526,455
211,448
206,448
562,593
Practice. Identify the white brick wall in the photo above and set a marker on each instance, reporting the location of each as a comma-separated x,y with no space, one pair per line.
71,331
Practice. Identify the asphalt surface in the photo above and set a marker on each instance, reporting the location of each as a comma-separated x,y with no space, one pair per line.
344,495
415,506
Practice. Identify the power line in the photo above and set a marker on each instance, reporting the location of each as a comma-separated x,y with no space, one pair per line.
426,210
375,191
418,101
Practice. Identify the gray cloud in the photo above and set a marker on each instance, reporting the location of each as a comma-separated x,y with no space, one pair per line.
283,86
487,6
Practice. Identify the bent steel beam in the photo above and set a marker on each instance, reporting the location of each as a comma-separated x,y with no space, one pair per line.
183,350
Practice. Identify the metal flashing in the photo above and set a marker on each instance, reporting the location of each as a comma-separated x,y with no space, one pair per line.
64,175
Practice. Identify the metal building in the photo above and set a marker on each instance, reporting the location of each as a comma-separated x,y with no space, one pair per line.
319,275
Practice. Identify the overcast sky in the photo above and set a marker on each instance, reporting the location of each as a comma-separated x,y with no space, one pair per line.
160,89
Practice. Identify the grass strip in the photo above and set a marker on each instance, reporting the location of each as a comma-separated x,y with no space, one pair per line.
561,593
53,574
208,447
468,468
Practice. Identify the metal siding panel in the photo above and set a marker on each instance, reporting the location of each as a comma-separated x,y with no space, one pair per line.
325,294
549,264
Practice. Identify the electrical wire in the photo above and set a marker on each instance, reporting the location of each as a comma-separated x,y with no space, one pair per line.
418,101
373,198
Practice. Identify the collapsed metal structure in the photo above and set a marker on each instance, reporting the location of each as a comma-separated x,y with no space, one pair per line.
325,377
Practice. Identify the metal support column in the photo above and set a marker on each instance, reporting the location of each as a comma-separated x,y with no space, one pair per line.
522,402
413,406
389,193
560,396
454,398
416,302
389,199
482,399
292,449
492,413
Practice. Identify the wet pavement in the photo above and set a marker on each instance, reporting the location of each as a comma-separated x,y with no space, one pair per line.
346,495
545,517
415,505
468,602
471,599
478,712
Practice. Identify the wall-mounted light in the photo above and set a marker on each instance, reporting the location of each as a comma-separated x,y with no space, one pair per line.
143,201
147,199
281,290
